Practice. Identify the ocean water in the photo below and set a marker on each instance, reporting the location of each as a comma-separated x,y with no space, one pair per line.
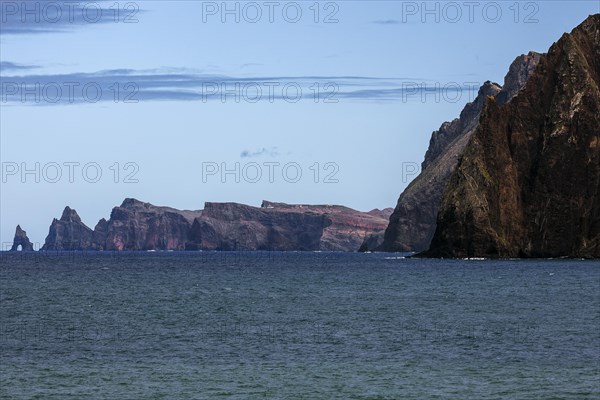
296,326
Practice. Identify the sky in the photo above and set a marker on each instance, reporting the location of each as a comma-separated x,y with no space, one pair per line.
180,103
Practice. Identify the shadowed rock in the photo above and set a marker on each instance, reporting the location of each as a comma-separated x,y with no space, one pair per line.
136,225
22,240
528,182
413,222
279,226
69,233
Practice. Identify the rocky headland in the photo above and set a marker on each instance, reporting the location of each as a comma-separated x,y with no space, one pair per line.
136,225
528,182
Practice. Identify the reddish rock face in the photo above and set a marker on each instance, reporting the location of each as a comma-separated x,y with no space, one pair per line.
528,182
69,233
231,226
133,226
278,226
220,226
136,225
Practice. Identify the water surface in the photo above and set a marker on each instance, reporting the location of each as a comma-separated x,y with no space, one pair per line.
296,325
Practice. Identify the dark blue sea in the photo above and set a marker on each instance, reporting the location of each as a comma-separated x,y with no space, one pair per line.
269,325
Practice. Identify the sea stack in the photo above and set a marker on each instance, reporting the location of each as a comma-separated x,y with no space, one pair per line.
22,240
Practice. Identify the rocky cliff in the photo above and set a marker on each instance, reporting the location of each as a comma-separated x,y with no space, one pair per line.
232,226
22,240
413,222
528,182
279,226
136,225
69,233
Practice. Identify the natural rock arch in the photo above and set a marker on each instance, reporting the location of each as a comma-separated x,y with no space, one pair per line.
21,241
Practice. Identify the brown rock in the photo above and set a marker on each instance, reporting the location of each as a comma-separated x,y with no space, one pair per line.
528,182
22,240
69,233
136,225
413,222
279,226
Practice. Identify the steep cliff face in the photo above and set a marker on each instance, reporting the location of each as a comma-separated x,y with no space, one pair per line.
69,233
348,228
137,225
278,226
101,233
232,226
22,240
413,222
345,229
529,179
518,73
450,131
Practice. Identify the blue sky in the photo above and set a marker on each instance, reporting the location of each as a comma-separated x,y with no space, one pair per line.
170,133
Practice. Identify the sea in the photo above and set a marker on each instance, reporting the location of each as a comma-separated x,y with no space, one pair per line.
296,325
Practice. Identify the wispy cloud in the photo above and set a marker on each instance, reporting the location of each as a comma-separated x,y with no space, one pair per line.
50,16
10,66
386,22
249,65
128,85
270,152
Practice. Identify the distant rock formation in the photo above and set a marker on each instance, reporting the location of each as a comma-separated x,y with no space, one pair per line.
136,225
283,227
528,182
22,240
413,222
231,226
142,226
69,233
